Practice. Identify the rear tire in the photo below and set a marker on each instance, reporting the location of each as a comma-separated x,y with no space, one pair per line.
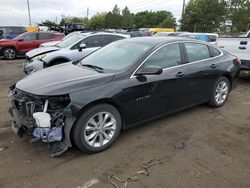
220,92
9,53
97,128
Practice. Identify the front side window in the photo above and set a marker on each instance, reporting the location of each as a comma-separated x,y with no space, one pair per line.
69,41
29,36
197,52
166,57
110,38
93,41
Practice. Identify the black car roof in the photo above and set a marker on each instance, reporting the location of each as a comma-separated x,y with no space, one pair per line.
159,40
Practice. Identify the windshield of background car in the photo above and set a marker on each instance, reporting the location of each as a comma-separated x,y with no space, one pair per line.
69,41
13,30
118,55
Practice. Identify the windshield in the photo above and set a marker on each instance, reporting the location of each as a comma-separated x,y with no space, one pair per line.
117,56
69,41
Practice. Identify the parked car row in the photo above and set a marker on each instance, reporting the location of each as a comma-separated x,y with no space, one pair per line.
73,48
126,82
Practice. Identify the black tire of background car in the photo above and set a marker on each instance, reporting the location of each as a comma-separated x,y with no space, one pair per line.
14,51
78,129
212,103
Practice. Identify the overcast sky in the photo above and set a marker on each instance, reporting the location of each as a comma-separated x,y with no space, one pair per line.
15,12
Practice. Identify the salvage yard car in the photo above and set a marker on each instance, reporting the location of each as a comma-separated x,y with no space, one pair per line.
25,42
239,46
71,49
122,84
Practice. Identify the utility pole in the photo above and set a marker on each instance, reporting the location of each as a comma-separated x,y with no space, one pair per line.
183,7
28,3
88,13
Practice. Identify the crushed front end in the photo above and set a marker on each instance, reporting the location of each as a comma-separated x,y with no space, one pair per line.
44,118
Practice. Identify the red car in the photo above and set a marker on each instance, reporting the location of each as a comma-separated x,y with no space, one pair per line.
25,42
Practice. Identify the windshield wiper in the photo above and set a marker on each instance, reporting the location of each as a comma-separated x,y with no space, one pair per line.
96,68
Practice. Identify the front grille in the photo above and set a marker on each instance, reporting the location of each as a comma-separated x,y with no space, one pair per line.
25,103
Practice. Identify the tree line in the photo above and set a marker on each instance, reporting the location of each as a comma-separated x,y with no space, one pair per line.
199,16
216,16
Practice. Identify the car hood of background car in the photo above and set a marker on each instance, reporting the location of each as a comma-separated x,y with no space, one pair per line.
43,50
62,79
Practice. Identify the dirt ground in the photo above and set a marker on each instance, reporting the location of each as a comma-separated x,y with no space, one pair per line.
213,149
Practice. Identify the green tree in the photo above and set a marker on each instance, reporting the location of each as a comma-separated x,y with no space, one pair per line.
98,21
238,14
127,18
203,16
154,19
113,19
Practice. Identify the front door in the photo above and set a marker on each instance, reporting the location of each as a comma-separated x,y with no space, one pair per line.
27,42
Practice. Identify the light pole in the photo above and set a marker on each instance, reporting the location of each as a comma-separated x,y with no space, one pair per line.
183,8
28,4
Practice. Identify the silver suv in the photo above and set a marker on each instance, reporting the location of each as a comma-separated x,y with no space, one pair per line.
72,49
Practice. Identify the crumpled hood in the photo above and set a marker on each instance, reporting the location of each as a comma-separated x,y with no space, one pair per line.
42,50
50,44
62,79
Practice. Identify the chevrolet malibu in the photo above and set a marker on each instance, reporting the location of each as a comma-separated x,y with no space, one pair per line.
125,83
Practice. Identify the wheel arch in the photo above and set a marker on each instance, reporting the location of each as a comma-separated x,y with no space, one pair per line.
104,101
230,79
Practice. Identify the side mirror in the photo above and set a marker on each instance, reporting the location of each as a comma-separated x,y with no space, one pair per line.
82,46
150,70
20,40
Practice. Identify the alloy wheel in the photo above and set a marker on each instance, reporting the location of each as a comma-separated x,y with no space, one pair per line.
9,54
221,92
100,129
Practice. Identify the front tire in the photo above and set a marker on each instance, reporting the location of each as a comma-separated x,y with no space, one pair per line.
97,128
10,53
220,92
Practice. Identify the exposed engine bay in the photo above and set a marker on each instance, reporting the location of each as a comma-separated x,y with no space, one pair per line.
42,117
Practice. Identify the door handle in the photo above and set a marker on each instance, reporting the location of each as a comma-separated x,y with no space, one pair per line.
242,48
213,66
243,42
180,74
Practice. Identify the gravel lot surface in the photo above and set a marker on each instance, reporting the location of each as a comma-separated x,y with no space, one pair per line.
199,147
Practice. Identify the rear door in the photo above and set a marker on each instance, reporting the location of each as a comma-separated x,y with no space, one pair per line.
27,42
200,69
43,37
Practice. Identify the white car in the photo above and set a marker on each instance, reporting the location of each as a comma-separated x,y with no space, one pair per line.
54,43
72,49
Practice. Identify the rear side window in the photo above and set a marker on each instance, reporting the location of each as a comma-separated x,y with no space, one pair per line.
44,36
107,39
166,57
196,52
93,41
212,38
29,36
214,52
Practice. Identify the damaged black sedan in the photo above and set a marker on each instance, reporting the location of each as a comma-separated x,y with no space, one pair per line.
125,83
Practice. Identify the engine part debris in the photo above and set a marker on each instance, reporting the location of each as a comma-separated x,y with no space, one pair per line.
58,149
135,177
89,183
3,148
